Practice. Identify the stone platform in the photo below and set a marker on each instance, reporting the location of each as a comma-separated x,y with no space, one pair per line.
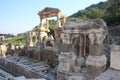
24,67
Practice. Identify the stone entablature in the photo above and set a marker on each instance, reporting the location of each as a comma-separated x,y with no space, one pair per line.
76,32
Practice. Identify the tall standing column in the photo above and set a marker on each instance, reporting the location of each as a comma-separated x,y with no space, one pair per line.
39,28
41,24
64,20
42,30
30,40
39,38
58,29
47,24
58,21
84,45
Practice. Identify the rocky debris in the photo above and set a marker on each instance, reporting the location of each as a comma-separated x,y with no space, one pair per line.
7,76
114,30
26,67
110,74
1,78
23,78
4,74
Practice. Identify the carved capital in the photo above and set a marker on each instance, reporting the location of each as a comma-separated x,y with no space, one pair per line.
92,38
65,38
99,38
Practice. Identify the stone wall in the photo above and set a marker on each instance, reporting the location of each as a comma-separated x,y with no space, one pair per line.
84,39
22,67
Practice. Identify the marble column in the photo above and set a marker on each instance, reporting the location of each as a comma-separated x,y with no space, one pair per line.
41,24
64,20
30,39
39,29
83,46
47,24
58,24
39,39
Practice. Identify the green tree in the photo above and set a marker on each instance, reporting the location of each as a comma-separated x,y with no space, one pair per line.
94,13
113,12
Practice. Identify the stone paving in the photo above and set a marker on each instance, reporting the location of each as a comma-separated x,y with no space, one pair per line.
24,67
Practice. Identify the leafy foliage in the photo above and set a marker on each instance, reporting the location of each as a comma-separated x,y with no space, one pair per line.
113,12
109,11
18,40
35,29
92,12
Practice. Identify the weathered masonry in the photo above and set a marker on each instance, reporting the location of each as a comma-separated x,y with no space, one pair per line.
85,41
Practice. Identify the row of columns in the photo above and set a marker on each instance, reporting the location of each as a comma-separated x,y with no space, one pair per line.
78,42
58,23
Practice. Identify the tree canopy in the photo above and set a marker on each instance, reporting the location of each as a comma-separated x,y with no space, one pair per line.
109,11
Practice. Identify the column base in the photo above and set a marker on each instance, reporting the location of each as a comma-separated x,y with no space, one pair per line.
95,65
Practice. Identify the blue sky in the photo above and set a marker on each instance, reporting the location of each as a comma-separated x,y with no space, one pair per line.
18,16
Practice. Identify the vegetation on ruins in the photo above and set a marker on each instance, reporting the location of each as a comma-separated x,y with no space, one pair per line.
112,16
109,11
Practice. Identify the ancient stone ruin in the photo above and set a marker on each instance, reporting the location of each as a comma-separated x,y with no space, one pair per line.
85,40
79,50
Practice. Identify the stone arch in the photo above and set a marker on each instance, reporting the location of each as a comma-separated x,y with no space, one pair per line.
44,38
32,39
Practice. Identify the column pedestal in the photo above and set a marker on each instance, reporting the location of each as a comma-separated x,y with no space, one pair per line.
96,65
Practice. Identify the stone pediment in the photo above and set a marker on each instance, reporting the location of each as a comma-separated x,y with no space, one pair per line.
50,12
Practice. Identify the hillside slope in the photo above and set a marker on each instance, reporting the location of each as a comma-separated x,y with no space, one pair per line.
109,11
